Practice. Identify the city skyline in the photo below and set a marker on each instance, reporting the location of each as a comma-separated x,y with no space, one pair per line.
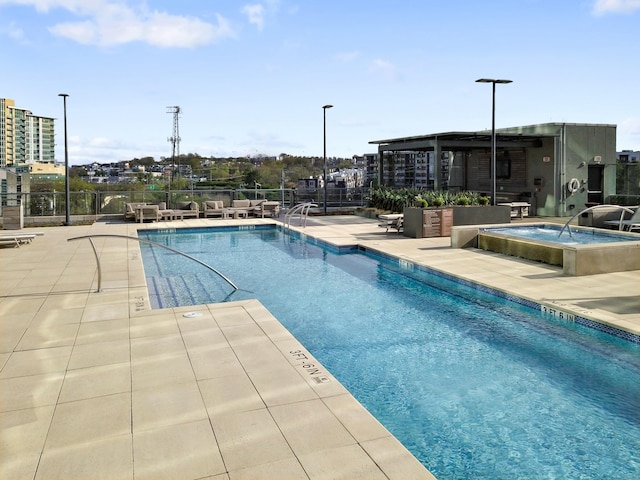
251,78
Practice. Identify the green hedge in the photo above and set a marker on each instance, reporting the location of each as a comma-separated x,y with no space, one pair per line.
630,200
395,199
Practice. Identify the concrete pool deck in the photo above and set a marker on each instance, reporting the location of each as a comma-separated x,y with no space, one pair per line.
98,385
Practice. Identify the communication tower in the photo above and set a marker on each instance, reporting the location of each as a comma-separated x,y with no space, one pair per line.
174,140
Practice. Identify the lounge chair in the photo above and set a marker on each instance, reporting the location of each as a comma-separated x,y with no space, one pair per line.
16,240
391,220
629,225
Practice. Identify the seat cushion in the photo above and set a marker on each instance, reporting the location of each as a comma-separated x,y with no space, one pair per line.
241,203
186,205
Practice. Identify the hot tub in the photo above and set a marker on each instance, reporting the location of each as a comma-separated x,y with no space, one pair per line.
585,251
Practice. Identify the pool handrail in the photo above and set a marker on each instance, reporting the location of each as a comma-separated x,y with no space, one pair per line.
624,209
302,209
142,240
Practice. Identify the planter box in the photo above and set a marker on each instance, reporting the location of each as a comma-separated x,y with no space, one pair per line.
437,222
427,222
481,215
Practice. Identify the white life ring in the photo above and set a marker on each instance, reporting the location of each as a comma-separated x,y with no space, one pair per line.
573,185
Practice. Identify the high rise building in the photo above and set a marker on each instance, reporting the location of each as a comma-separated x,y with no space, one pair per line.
25,139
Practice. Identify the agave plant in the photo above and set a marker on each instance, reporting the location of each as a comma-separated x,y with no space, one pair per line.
395,199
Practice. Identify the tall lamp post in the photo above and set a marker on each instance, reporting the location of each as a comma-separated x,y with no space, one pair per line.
324,138
67,195
493,133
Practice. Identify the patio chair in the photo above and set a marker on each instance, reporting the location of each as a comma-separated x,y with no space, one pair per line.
391,220
15,240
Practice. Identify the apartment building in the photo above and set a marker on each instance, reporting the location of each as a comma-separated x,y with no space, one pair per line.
628,156
25,138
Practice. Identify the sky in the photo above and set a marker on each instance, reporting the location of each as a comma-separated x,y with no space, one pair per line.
251,77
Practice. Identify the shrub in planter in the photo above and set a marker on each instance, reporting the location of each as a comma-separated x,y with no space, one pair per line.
420,202
463,201
483,200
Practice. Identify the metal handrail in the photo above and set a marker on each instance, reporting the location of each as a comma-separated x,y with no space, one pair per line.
95,252
301,209
624,209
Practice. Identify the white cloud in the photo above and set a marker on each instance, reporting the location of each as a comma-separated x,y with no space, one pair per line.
255,14
14,32
113,22
602,7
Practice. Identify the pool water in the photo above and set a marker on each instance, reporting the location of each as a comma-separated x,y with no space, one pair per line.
549,233
473,385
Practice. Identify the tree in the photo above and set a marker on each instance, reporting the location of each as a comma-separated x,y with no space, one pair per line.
251,177
77,171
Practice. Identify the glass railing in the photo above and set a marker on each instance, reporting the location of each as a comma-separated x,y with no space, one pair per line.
87,203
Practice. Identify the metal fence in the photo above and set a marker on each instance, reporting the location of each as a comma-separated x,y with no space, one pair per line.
97,203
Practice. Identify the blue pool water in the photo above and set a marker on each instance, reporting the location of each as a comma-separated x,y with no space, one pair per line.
473,385
551,233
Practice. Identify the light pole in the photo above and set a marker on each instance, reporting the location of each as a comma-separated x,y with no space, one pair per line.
493,133
324,138
67,195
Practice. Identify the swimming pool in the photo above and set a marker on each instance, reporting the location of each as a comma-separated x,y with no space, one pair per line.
474,385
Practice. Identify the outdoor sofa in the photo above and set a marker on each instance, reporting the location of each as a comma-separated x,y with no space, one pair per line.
213,208
186,209
257,208
141,211
130,210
